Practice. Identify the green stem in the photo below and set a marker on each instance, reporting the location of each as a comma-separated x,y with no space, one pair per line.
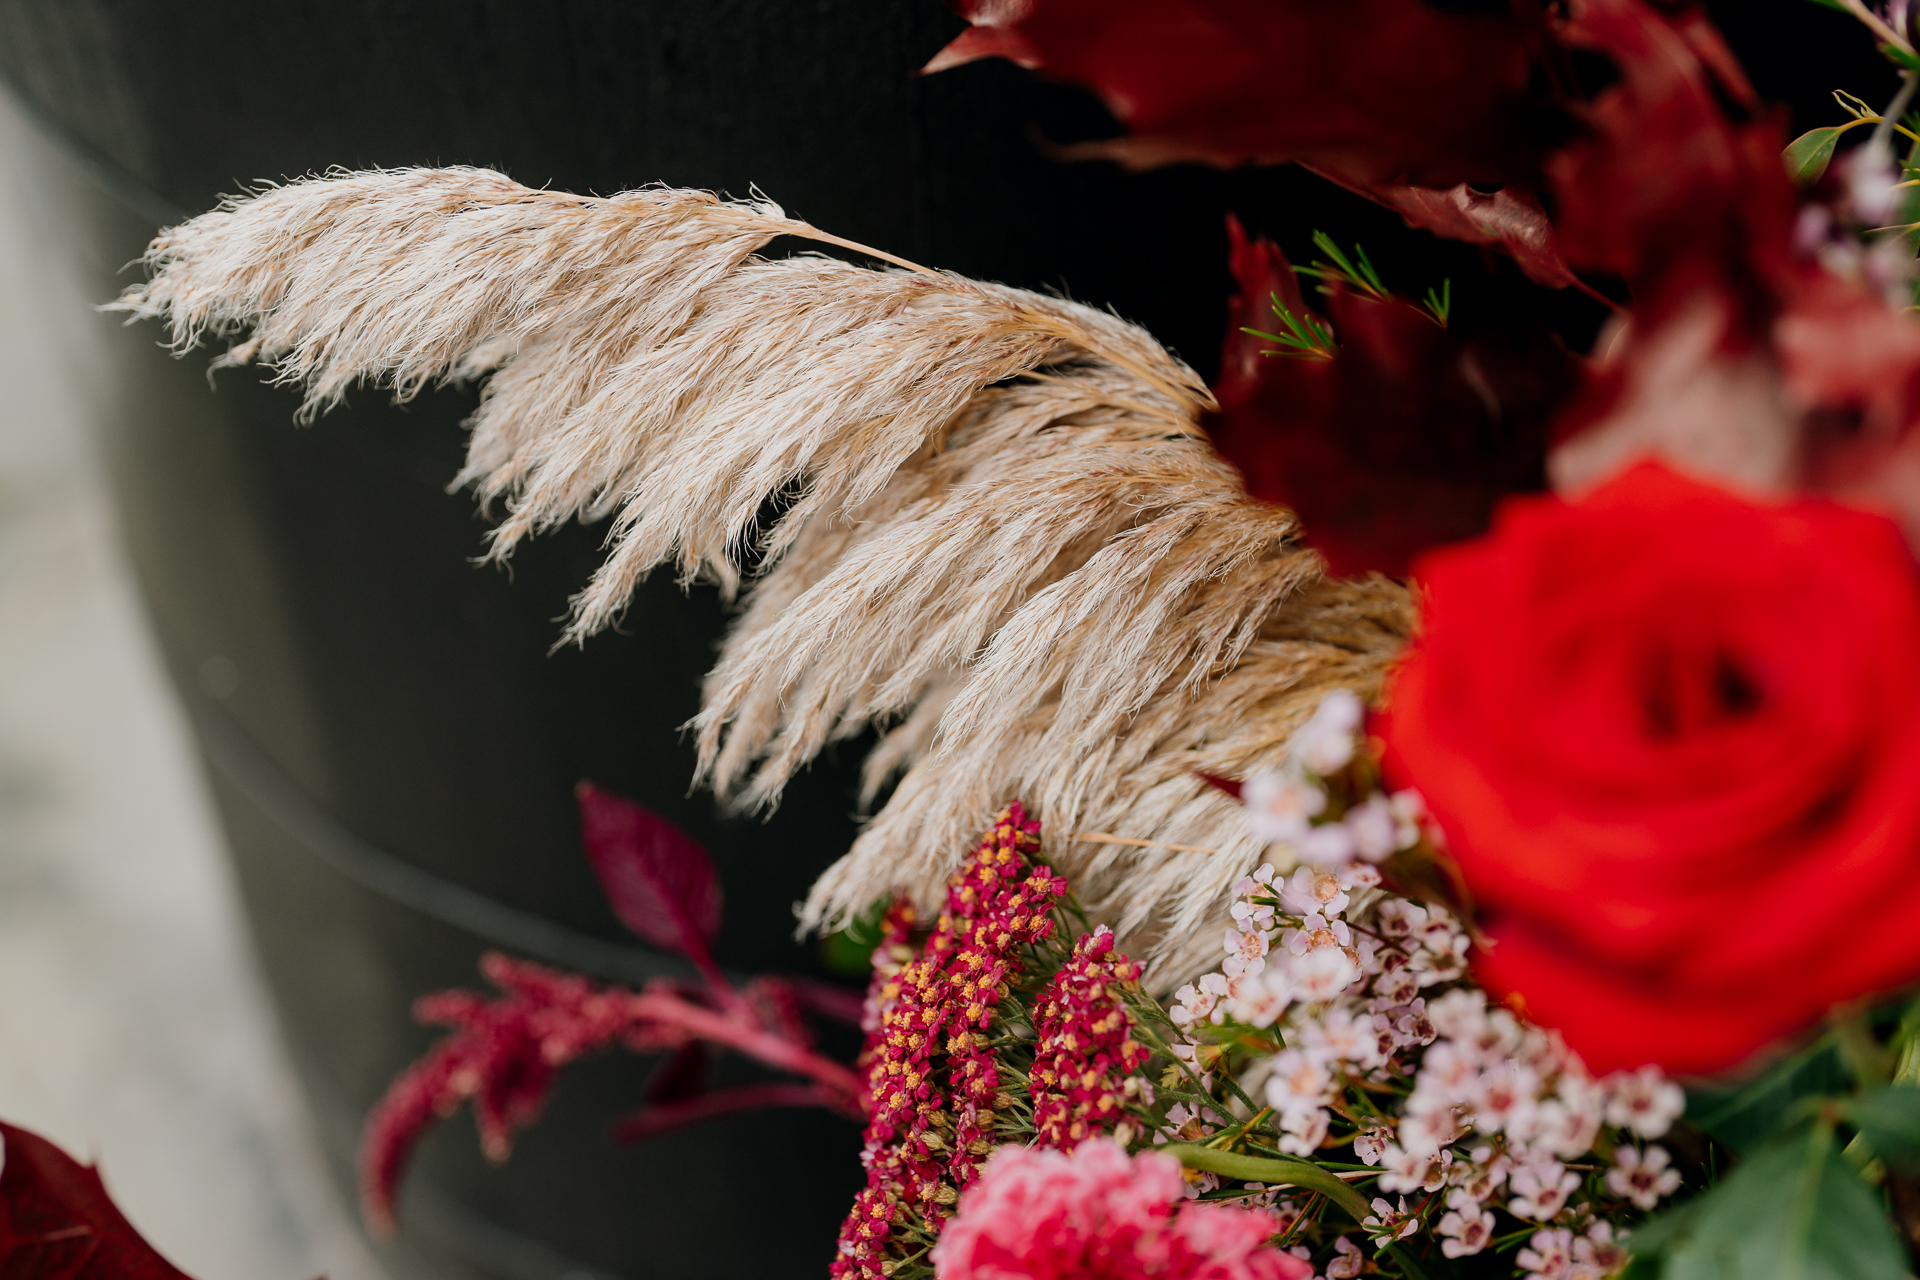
1283,1172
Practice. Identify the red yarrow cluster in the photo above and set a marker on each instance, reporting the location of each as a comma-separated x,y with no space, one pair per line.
1099,1215
1085,1050
931,1078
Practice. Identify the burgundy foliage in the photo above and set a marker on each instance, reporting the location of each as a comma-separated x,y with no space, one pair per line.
58,1223
1744,359
1407,437
657,878
1381,92
504,1052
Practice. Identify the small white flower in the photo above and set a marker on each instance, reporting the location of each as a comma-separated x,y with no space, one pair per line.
1280,806
1872,185
1644,1101
1642,1177
1326,846
1324,744
1309,892
1323,973
1599,1250
1505,1096
1548,1255
1375,833
1299,1083
1389,1224
1371,1143
1540,1190
1246,953
1338,1035
1304,1132
1428,1131
1347,1261
1409,813
1398,918
1262,999
1466,1231
1413,1171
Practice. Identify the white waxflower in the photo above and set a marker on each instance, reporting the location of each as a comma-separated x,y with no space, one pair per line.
1322,973
1644,1101
1540,1190
1326,846
1303,1132
1548,1254
1376,835
1642,1177
1246,953
1324,744
1465,1231
1310,892
1281,806
1299,1082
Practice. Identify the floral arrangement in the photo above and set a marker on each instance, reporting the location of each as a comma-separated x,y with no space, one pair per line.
1448,791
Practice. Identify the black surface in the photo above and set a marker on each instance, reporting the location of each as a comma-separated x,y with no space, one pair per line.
313,585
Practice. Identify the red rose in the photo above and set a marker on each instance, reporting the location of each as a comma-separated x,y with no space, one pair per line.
1673,738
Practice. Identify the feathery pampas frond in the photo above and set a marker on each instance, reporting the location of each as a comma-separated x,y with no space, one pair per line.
1004,538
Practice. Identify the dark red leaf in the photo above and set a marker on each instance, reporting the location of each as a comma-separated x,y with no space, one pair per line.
683,1075
1510,219
1383,92
58,1223
657,878
1406,439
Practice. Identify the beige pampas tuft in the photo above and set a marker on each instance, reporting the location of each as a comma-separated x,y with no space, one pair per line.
1003,535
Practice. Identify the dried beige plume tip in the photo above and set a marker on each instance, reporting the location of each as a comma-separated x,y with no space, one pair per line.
1003,536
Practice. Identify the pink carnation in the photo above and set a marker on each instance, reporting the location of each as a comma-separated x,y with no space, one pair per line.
1096,1214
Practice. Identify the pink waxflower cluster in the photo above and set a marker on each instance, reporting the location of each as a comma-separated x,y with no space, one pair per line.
1098,1214
931,1078
1085,1061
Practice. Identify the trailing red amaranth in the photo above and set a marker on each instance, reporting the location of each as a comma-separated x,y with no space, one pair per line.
505,1052
933,1085
1086,1066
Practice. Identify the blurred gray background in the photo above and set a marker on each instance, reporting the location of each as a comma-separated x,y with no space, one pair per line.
133,1027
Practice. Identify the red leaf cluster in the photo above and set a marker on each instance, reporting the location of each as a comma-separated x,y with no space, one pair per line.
1743,358
504,1053
1378,91
58,1223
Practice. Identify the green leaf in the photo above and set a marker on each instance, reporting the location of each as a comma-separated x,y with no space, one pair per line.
1900,57
1795,1210
1832,4
1809,154
1746,1116
1274,1171
1889,1119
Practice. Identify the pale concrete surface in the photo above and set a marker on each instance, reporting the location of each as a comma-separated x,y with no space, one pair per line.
133,1029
